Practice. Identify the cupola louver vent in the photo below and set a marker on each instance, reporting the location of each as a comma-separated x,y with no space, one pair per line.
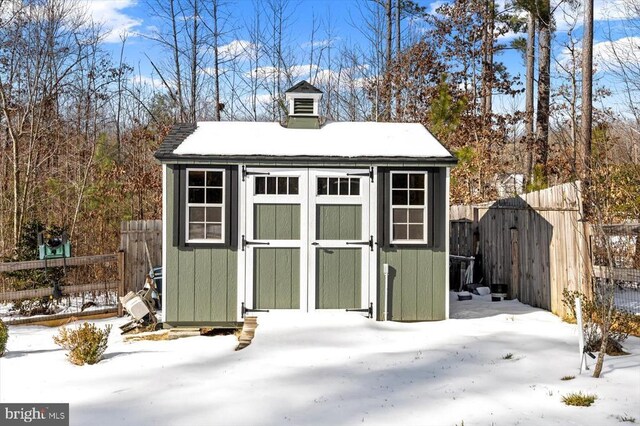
303,106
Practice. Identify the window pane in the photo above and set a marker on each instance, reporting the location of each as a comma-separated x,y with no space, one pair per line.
214,179
344,186
196,214
196,195
399,180
399,215
293,185
322,186
271,185
416,198
399,232
416,216
196,178
415,232
214,231
416,180
214,195
214,214
355,186
399,197
333,186
282,185
196,231
261,185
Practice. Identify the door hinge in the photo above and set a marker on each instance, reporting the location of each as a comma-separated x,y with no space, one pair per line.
244,310
246,242
369,173
368,310
246,173
362,243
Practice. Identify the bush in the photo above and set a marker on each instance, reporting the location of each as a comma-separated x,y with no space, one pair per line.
86,344
4,336
622,323
579,399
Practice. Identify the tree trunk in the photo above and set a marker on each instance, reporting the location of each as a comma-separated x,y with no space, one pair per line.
487,58
530,74
587,85
387,99
216,59
176,61
398,48
544,87
194,65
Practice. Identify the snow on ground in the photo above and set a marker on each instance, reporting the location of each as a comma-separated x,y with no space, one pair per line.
337,369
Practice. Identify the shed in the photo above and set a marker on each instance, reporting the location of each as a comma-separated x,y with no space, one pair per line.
303,216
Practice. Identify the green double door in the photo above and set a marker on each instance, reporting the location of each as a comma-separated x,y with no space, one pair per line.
307,239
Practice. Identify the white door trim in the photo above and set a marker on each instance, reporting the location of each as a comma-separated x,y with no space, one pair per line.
367,231
252,199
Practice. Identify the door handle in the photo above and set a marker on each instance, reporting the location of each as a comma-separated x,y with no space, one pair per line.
315,243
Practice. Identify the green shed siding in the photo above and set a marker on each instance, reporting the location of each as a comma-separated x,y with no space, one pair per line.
339,278
417,285
339,222
201,281
276,278
277,221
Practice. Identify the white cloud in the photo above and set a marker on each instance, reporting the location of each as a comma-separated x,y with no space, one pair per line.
614,54
237,49
615,9
111,15
319,44
147,81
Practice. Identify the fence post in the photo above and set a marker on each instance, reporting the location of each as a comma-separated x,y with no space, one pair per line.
121,283
515,264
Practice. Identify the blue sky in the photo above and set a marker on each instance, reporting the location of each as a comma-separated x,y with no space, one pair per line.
135,19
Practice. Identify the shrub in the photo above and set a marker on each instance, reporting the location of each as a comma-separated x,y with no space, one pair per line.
579,399
508,356
4,336
86,344
622,323
565,378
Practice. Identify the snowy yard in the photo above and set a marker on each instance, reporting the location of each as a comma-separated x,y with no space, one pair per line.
335,369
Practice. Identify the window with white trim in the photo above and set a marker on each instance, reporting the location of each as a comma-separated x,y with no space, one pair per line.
408,207
205,205
338,186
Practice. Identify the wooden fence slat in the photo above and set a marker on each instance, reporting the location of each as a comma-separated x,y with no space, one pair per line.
622,274
133,236
50,263
48,291
551,244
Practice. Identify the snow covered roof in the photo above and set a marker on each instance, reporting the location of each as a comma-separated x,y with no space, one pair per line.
353,140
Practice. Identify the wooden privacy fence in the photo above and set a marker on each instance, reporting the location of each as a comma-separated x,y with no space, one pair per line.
116,285
141,240
535,243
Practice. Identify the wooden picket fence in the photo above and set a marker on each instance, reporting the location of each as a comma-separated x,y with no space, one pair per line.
141,240
115,285
535,243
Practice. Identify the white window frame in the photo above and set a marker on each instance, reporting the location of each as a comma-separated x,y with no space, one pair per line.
222,206
425,209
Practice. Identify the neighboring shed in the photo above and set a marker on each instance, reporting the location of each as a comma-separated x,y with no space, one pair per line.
303,216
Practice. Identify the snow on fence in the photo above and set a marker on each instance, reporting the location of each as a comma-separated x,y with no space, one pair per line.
115,286
622,242
535,243
141,240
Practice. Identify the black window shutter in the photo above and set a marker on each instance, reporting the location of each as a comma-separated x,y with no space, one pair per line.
232,207
175,170
384,207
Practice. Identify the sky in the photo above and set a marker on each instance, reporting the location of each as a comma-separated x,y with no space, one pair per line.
135,19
